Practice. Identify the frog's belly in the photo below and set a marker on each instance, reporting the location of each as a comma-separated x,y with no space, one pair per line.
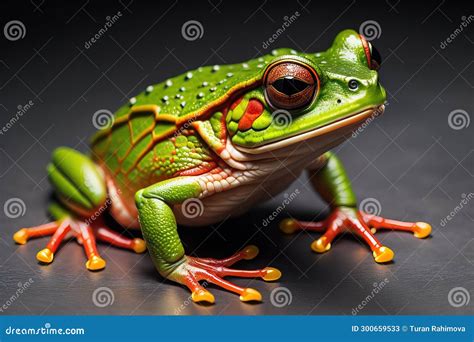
270,179
235,201
216,207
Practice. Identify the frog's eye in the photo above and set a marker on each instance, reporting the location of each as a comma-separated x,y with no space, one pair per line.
374,58
290,85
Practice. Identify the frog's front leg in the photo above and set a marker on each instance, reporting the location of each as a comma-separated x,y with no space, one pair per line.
158,225
329,178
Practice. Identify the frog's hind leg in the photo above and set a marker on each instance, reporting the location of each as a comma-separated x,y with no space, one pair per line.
46,255
24,234
85,233
80,187
94,260
66,223
58,230
105,234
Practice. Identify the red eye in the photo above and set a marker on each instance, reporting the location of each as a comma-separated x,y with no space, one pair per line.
374,59
290,85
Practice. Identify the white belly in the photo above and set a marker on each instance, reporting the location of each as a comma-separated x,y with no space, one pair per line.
237,200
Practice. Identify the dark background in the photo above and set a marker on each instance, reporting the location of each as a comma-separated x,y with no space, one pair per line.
410,159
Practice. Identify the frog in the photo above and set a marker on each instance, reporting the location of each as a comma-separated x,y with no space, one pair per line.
199,148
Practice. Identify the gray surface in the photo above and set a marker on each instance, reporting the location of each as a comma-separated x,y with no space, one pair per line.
410,159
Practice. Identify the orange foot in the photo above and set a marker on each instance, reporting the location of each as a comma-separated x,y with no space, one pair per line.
85,234
193,270
344,218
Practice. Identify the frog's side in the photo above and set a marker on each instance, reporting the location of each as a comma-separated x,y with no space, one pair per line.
199,148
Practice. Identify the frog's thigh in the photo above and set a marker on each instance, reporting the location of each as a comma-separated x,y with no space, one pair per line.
158,222
77,181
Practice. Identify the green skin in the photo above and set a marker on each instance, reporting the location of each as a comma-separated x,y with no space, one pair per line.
143,156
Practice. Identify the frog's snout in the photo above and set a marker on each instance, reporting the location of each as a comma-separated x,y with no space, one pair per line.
378,91
383,92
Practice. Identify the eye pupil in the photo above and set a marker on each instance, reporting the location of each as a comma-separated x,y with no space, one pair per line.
353,84
376,57
289,85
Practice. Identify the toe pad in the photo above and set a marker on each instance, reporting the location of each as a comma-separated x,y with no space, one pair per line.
250,295
45,255
95,263
271,274
421,230
321,245
202,296
20,237
250,252
288,226
383,254
139,245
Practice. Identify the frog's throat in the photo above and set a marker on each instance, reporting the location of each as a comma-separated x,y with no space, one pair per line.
355,118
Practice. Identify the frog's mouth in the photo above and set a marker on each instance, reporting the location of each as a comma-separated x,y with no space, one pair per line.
352,120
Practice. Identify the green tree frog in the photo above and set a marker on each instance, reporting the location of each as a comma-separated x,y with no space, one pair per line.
212,136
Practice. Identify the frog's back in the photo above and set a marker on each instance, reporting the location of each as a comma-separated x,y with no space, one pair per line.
141,151
192,91
150,138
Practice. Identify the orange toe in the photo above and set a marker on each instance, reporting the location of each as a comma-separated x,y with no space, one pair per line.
45,255
383,254
250,295
421,230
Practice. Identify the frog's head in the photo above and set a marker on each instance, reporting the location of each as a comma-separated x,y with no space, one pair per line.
301,96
